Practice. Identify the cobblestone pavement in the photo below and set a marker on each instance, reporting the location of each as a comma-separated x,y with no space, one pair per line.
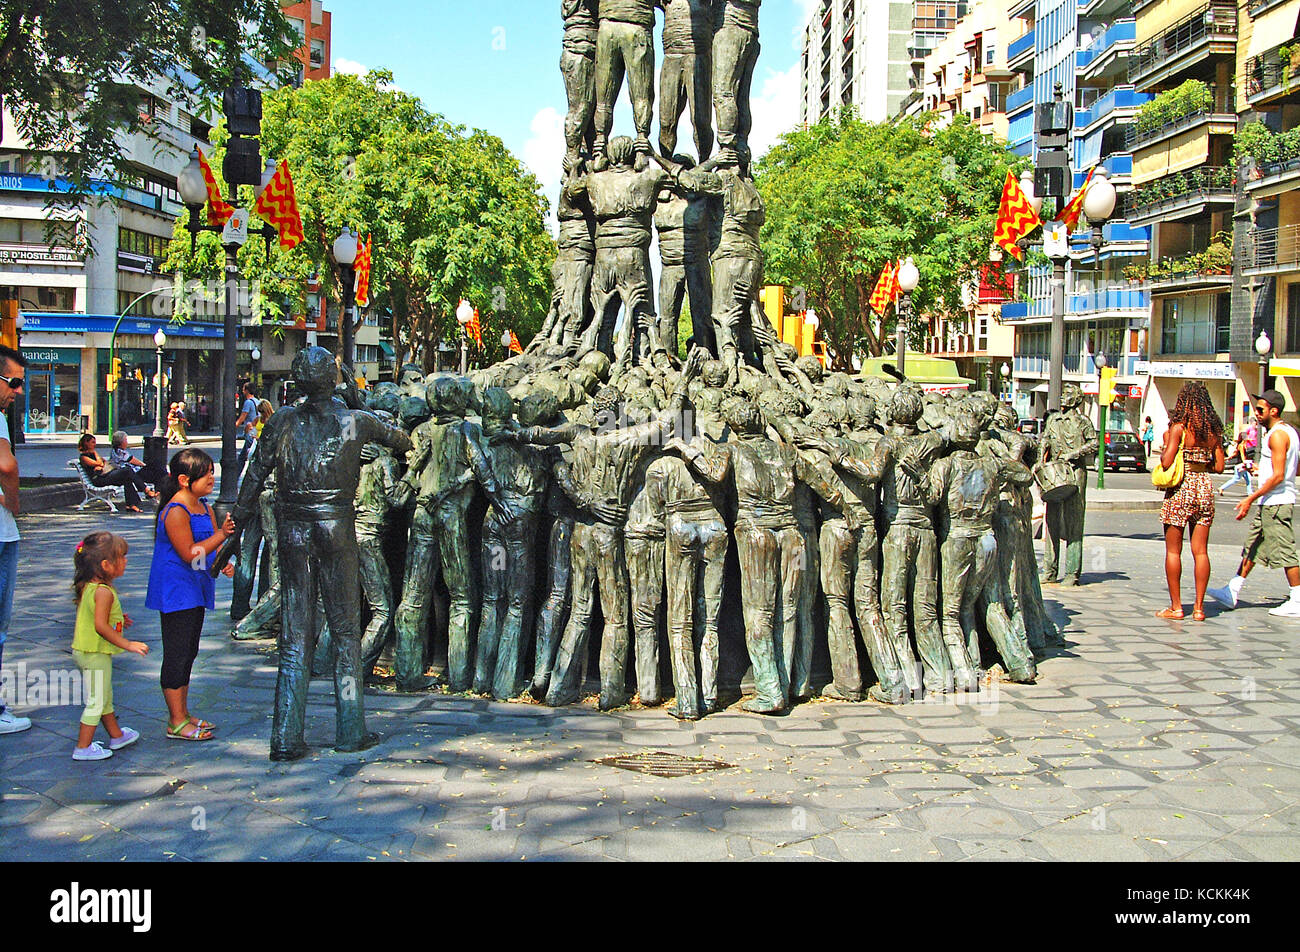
1143,739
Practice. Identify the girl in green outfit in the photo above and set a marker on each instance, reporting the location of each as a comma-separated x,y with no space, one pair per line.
100,558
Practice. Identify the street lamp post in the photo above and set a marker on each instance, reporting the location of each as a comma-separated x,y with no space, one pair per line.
1006,376
160,339
1101,419
256,355
345,255
908,278
505,343
464,314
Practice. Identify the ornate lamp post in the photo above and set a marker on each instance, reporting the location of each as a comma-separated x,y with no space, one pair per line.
1003,381
1098,206
1101,419
160,339
908,278
345,256
464,314
1262,346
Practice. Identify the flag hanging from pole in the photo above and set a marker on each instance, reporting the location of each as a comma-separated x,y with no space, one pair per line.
1070,215
475,330
363,271
219,210
1016,217
514,344
279,206
884,292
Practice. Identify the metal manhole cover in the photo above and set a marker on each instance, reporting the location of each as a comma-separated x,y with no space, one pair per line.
661,764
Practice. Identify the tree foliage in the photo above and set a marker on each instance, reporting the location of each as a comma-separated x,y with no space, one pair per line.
69,71
845,196
452,213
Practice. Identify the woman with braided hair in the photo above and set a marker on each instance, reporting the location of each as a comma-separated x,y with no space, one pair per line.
1196,428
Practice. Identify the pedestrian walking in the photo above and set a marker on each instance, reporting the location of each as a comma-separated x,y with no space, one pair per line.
247,423
99,634
202,413
1271,542
1197,432
1148,435
180,589
176,423
13,371
101,474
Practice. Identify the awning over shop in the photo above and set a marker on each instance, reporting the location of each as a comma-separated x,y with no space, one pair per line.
387,348
1273,28
934,374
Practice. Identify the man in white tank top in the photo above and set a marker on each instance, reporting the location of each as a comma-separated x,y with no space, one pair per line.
1271,542
12,374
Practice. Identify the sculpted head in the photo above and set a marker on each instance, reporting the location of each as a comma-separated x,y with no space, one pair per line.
743,417
498,408
862,411
539,408
314,371
621,151
811,368
1071,397
906,406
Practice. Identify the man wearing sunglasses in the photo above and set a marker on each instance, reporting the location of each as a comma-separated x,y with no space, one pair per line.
1271,542
12,371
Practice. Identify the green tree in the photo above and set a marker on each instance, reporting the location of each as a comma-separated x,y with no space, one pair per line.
452,214
69,69
844,197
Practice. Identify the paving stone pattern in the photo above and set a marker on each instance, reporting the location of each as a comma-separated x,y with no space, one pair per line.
1143,740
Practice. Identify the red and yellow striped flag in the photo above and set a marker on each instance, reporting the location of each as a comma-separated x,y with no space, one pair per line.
475,330
279,206
1016,217
219,210
886,289
514,344
363,271
1070,215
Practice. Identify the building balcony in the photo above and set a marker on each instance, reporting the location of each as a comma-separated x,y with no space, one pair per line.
1275,251
1181,195
1118,166
1082,365
1109,53
1122,100
1021,99
1123,301
1101,9
1019,8
1118,239
1020,51
1278,175
1210,31
1221,117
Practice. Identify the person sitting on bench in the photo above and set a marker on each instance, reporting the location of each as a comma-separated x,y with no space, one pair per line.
97,471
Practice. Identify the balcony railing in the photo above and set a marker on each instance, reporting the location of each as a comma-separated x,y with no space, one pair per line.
1020,46
1020,98
1211,22
1125,31
1277,247
1204,182
1122,97
1225,104
1108,299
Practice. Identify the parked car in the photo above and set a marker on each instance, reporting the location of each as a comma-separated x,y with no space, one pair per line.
1124,447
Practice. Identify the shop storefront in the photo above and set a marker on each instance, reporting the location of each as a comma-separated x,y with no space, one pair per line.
53,390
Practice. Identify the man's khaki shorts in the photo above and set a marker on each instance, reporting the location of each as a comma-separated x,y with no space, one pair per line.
1271,542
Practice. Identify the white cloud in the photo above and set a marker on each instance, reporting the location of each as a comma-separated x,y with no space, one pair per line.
342,65
544,152
775,109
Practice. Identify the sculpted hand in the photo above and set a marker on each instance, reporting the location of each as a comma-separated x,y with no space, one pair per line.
610,512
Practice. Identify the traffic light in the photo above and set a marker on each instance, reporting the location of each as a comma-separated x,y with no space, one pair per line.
1106,387
115,373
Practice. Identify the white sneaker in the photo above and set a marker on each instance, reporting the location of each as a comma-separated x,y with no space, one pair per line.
128,738
11,724
1288,609
1223,596
93,752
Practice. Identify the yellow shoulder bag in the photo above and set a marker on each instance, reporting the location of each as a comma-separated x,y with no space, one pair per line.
1172,477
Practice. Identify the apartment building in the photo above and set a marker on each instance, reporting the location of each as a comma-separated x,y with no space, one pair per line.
1266,287
869,54
1082,47
315,25
1185,58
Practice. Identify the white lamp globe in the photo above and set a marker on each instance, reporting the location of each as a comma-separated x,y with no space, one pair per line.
1027,186
908,277
464,312
811,318
1262,344
191,184
159,338
1099,200
345,248
257,354
505,338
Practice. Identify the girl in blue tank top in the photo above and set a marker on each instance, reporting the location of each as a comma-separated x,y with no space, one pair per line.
180,589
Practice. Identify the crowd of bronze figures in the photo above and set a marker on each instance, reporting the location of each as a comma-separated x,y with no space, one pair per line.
598,476
865,513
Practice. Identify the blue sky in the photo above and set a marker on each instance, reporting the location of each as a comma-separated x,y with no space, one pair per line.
494,64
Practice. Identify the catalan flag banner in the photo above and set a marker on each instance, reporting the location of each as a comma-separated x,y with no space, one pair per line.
1016,217
514,344
363,271
1074,208
884,292
279,206
219,210
475,330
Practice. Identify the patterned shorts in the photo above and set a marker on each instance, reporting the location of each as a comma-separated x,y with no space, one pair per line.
1192,501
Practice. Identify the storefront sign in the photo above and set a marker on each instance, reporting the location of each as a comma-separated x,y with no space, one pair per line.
1090,388
1135,393
40,255
52,356
1193,369
1284,367
138,264
97,324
